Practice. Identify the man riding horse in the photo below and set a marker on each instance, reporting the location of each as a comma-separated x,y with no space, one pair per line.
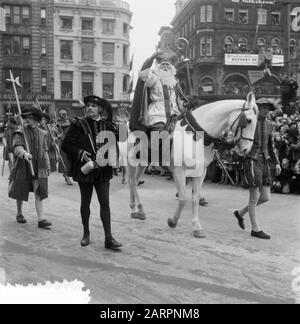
158,97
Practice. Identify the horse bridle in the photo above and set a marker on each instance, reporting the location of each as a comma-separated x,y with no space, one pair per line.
188,120
242,137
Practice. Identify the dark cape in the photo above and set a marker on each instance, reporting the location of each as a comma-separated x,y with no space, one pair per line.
76,141
139,101
20,180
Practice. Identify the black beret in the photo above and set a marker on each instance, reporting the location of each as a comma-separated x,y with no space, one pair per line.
32,111
100,102
96,100
270,103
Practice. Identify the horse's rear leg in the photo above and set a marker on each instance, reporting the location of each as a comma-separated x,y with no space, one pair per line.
179,178
198,231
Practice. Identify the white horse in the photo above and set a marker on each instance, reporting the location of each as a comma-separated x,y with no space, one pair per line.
240,116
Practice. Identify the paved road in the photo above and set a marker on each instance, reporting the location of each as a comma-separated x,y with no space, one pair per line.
157,265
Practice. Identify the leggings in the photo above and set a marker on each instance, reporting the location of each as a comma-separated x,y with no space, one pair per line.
102,190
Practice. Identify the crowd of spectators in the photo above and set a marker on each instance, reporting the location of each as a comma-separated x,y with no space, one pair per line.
287,144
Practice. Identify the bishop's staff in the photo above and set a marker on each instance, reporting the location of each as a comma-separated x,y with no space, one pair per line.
52,137
15,81
182,45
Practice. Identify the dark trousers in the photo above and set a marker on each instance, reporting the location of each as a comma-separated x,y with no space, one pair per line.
102,190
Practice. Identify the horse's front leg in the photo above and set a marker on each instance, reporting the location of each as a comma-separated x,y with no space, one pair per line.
180,182
198,231
135,175
202,200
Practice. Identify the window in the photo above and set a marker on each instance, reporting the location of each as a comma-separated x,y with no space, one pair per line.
192,51
243,16
185,30
26,80
108,54
108,26
7,15
43,16
87,83
87,50
66,50
67,23
6,46
108,85
87,24
125,54
275,18
261,42
66,85
206,14
228,44
125,29
206,46
262,16
206,86
275,43
43,46
293,48
25,16
235,85
44,81
126,80
26,46
243,45
16,46
16,16
229,15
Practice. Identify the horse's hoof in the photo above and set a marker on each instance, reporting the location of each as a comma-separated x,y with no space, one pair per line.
199,234
140,216
203,202
171,223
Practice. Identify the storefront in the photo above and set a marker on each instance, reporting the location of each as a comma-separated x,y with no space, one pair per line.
8,102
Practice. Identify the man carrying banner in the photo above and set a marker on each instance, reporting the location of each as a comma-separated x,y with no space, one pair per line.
30,170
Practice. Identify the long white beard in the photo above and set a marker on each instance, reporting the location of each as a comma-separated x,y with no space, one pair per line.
167,78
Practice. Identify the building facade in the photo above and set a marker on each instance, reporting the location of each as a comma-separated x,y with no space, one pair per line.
27,50
91,46
230,41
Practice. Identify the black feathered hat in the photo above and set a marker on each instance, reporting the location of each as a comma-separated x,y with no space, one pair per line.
100,102
32,111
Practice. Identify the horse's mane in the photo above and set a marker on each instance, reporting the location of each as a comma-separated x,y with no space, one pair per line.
222,104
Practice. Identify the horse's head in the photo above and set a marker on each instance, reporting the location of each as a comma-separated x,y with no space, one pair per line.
244,125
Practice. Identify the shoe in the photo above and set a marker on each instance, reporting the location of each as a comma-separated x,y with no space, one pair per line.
85,240
21,219
240,220
203,202
112,244
44,224
261,235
